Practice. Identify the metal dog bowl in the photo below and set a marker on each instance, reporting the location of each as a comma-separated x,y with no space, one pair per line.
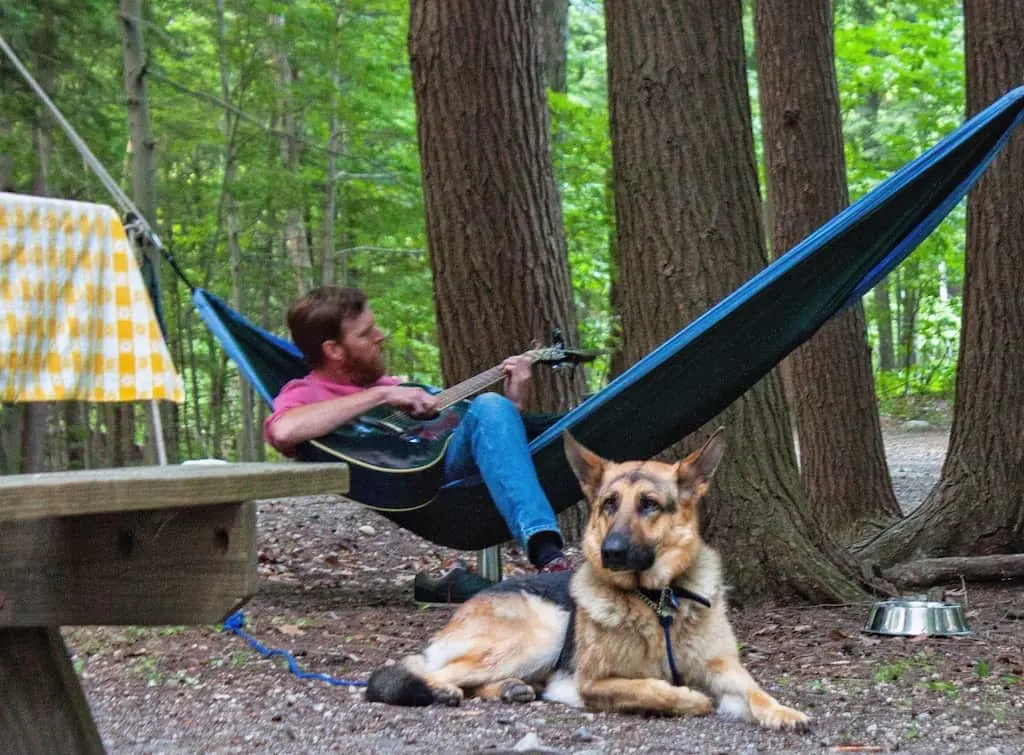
914,617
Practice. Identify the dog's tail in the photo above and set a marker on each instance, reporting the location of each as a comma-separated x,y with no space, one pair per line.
398,685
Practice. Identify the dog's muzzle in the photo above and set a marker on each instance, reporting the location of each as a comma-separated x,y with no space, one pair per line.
619,554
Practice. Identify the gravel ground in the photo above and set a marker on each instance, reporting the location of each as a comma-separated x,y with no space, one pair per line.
336,590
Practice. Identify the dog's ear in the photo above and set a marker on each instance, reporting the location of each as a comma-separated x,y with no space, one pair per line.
586,465
699,467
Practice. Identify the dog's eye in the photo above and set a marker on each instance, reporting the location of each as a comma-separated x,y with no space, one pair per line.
610,505
649,505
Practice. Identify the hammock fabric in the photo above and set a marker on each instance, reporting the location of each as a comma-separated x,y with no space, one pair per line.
703,368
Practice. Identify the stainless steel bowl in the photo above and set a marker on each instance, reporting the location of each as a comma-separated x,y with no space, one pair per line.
913,617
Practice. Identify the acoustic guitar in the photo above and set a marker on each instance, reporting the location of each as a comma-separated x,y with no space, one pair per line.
397,461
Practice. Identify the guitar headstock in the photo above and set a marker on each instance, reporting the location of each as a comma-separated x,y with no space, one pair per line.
560,355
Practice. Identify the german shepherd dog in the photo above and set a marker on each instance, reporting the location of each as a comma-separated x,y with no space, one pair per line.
639,627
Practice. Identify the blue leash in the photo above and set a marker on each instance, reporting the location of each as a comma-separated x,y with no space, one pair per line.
234,624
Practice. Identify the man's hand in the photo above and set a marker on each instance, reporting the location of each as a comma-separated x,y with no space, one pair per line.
413,401
518,378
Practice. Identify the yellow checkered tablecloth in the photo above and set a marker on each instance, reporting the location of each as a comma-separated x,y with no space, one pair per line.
76,321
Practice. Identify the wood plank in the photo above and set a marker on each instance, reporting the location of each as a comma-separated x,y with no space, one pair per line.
42,707
38,496
175,566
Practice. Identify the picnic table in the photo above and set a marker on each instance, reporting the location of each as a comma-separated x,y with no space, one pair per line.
141,546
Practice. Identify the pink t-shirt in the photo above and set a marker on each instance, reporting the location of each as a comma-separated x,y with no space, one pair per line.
312,389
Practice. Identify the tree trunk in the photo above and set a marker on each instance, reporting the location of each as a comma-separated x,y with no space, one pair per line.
494,222
883,321
329,244
689,226
35,415
554,25
295,240
842,458
142,147
975,509
909,293
247,436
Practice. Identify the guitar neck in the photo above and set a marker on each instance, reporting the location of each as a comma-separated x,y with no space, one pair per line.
469,387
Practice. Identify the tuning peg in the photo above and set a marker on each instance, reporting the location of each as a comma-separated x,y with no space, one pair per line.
557,339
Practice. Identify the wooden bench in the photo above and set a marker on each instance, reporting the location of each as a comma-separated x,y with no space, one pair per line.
142,546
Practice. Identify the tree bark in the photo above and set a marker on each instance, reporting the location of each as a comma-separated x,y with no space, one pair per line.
494,221
35,415
842,458
554,24
247,437
142,148
690,232
975,509
295,240
883,321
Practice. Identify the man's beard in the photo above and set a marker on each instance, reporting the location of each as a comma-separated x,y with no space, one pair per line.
366,371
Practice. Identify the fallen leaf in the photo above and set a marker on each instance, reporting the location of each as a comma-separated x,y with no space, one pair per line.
838,635
802,628
292,630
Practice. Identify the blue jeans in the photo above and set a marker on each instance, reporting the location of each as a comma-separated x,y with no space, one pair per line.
491,441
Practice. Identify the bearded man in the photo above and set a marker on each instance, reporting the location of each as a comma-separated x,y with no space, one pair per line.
335,330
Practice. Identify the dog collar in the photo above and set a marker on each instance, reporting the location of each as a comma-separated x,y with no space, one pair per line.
665,603
666,600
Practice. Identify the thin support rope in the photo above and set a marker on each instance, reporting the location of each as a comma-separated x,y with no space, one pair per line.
136,225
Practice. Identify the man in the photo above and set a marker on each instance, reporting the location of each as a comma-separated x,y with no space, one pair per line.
334,329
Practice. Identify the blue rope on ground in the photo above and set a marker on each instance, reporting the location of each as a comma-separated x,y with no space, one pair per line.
234,624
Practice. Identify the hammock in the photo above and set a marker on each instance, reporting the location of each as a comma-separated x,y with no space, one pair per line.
703,368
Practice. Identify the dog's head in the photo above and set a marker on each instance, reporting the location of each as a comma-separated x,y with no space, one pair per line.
643,528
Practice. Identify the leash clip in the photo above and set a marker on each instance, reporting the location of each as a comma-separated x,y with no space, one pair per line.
668,604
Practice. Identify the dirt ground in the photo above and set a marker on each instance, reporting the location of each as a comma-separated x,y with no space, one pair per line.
336,590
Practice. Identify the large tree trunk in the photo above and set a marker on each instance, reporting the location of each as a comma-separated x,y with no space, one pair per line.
842,458
975,509
494,221
690,232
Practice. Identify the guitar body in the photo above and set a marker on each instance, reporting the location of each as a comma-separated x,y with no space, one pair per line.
395,462
392,441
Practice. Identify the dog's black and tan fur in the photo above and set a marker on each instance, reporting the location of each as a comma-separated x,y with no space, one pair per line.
592,639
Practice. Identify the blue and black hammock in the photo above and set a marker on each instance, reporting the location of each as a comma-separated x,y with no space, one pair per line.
693,375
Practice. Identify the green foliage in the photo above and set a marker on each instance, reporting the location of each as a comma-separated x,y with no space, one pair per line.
900,70
901,81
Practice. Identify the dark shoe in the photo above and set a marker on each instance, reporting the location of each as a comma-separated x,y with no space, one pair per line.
558,563
457,586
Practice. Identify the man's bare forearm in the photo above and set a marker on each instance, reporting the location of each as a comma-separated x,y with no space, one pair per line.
304,423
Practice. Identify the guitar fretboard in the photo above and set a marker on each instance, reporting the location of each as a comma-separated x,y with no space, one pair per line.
469,387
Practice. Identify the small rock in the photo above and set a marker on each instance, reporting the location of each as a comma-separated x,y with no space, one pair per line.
912,425
367,530
531,743
582,734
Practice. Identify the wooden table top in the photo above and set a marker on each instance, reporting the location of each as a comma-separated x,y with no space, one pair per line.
99,491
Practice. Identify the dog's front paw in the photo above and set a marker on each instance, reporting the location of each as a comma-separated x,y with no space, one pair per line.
515,691
693,703
780,717
450,696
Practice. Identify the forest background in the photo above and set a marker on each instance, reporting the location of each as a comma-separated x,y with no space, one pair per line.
277,147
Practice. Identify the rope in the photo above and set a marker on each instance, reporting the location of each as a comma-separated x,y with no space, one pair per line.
234,624
136,225
122,199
